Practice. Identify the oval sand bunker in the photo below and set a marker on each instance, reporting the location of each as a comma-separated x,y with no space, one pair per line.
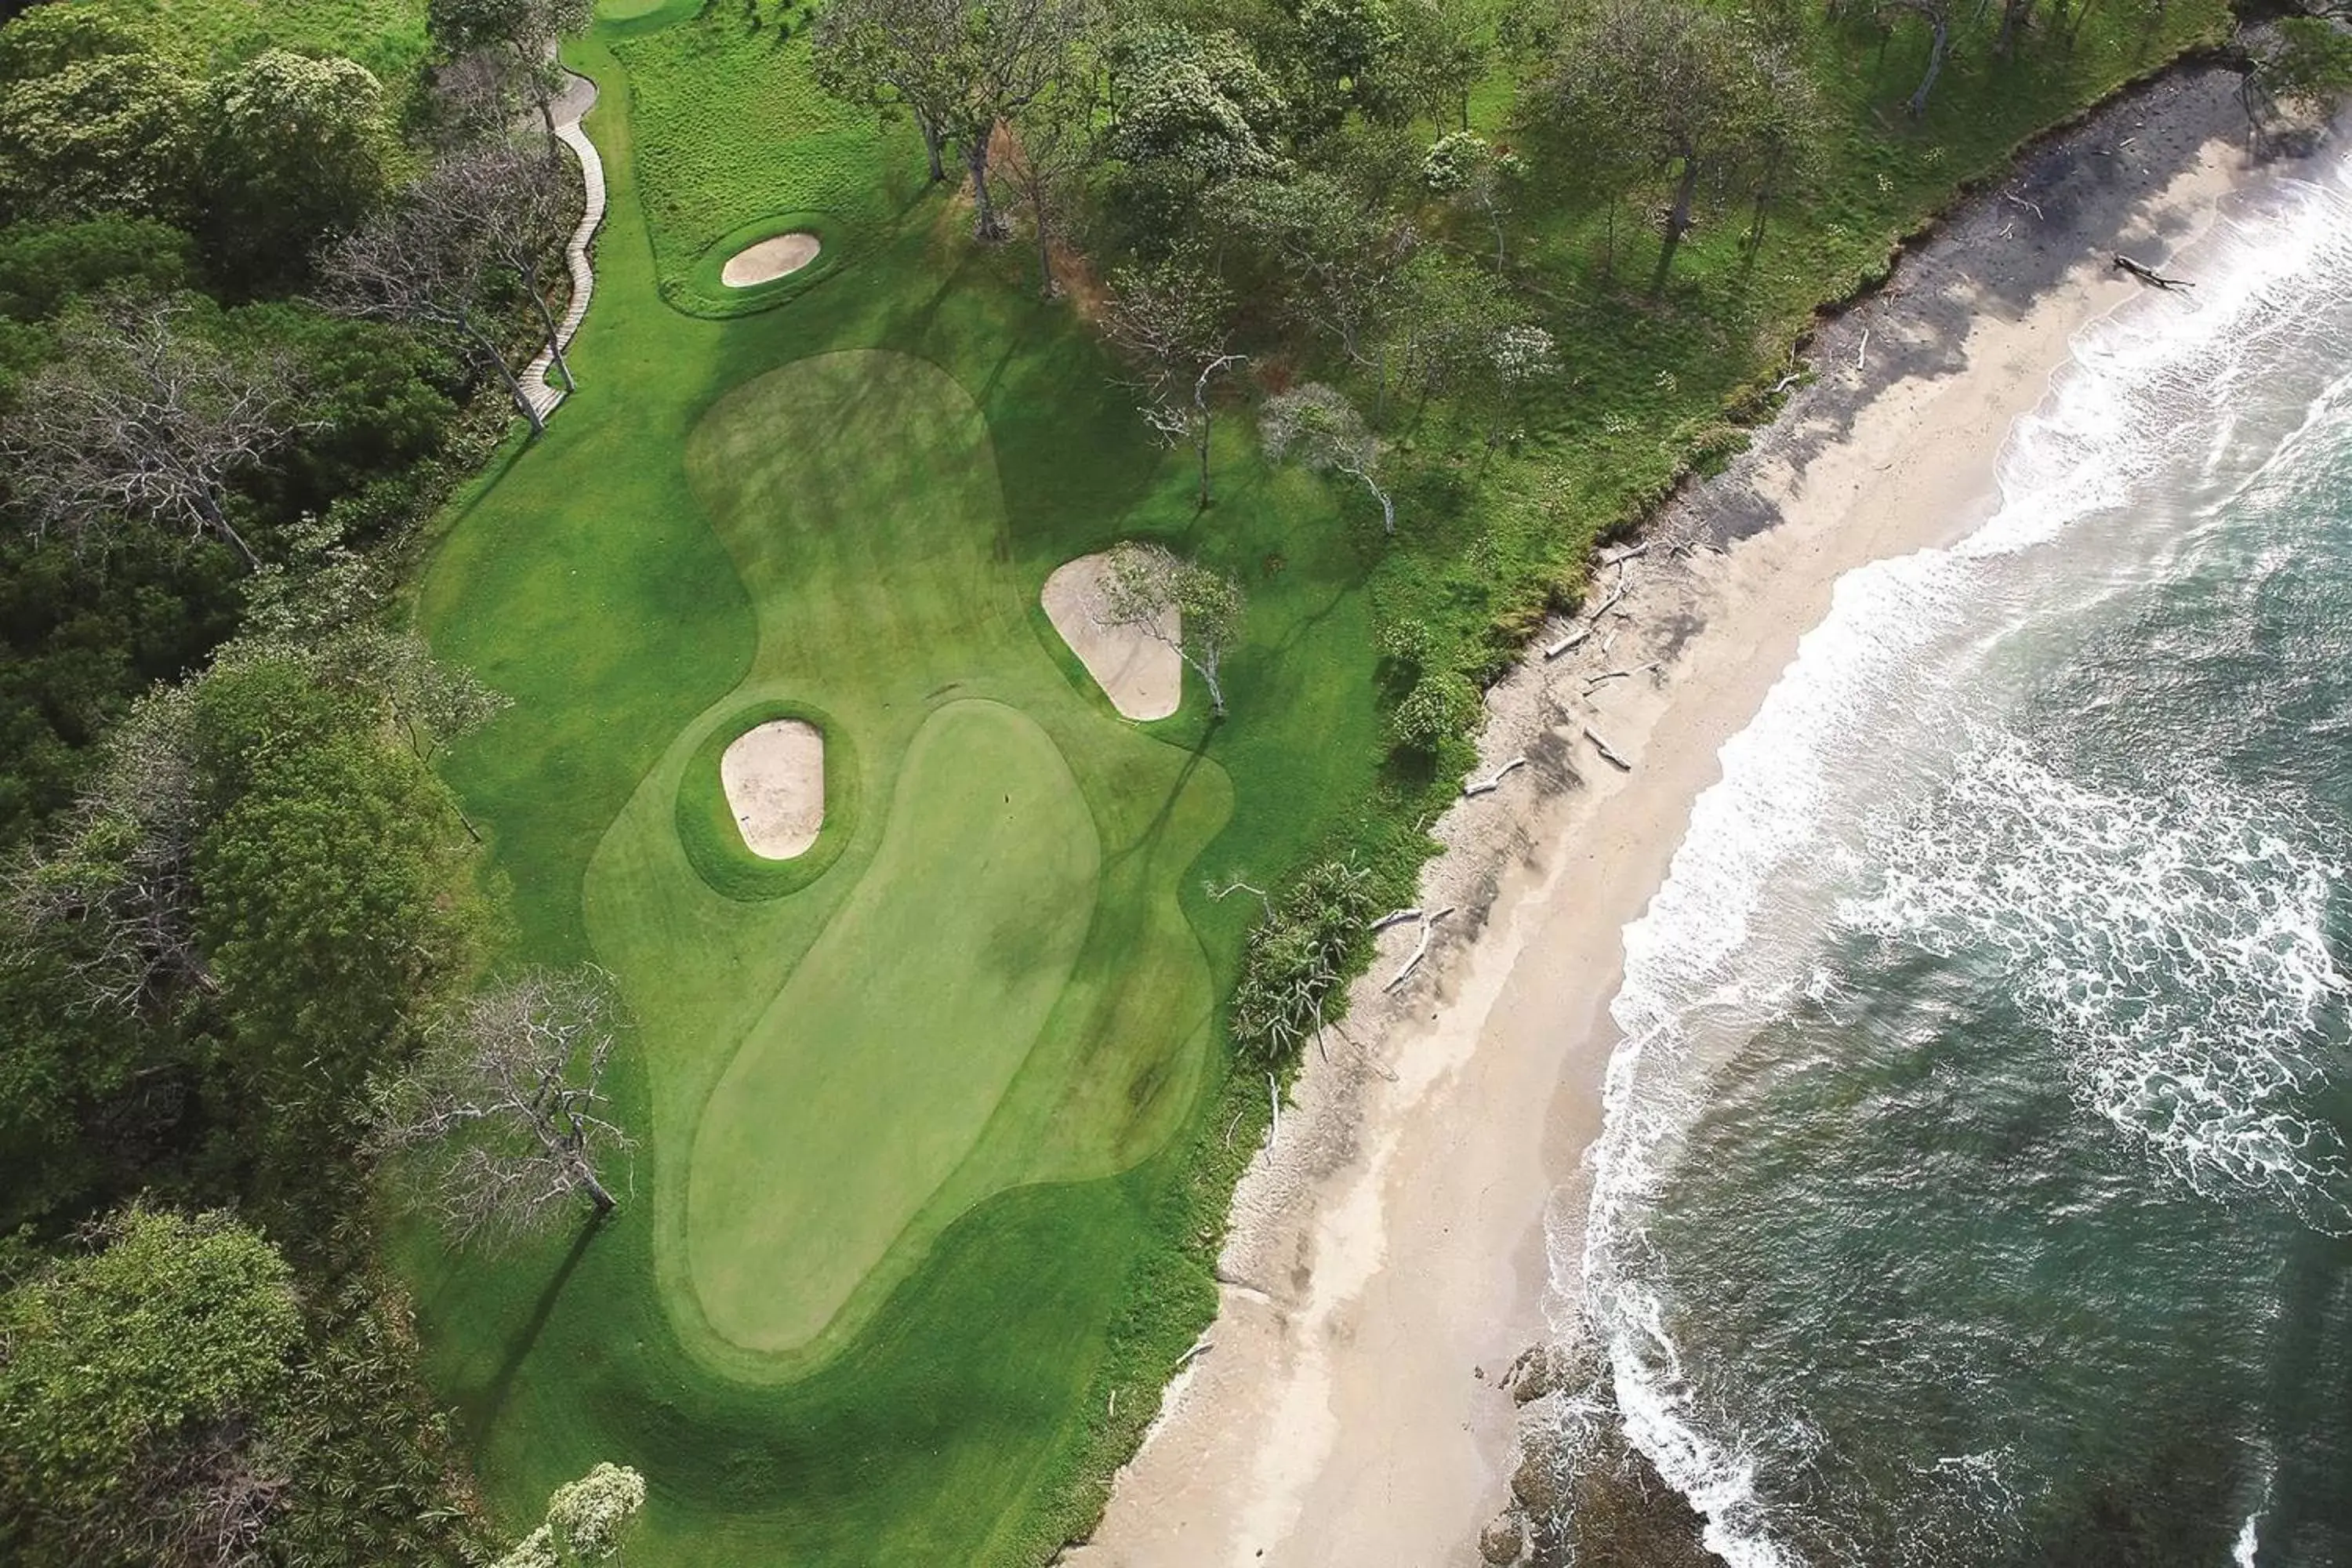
769,260
1139,672
774,777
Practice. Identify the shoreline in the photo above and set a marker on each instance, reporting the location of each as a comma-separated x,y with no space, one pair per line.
1389,1258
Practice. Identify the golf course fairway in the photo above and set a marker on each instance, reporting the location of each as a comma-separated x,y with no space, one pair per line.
933,1122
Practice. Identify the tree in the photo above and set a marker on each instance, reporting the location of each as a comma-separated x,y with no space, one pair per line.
530,31
1299,953
1173,320
335,901
892,53
112,894
1052,145
141,417
1337,253
430,261
1146,581
504,1110
294,148
1198,102
1443,50
131,1378
586,1520
963,69
91,120
1664,82
1937,16
2304,64
522,206
1463,166
1316,426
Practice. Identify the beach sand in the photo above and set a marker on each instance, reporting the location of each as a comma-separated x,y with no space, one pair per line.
1387,1259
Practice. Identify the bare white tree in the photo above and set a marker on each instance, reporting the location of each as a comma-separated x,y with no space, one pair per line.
141,417
428,260
504,1111
117,882
1173,320
1315,426
1146,581
523,206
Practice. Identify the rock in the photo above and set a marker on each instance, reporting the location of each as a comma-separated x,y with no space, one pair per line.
1503,1540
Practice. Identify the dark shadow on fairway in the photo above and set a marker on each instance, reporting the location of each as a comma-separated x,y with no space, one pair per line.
1194,755
485,1410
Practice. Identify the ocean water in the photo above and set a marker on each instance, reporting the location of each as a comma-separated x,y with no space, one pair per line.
1977,1180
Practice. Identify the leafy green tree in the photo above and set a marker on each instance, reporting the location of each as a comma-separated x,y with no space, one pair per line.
1304,948
893,53
130,1377
1197,101
2304,64
587,1520
91,120
1341,52
528,31
335,903
1443,50
1665,83
1335,252
294,148
1470,171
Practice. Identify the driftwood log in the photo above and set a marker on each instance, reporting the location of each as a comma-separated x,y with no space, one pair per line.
2149,275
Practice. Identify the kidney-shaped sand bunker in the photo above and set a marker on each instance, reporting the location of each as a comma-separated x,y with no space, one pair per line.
769,259
774,777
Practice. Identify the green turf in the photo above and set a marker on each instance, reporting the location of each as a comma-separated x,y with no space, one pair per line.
838,1055
738,515
385,36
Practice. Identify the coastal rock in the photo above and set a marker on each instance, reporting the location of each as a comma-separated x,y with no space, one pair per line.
1504,1539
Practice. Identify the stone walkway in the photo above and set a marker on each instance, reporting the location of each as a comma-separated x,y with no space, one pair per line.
579,96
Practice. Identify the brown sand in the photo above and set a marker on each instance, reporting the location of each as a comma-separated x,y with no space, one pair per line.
1140,672
1389,1258
774,777
769,260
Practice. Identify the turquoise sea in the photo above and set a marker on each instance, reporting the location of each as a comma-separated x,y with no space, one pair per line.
1976,1181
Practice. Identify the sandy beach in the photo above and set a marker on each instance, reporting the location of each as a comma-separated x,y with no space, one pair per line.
1389,1256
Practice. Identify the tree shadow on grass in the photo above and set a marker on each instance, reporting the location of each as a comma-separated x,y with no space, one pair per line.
484,1411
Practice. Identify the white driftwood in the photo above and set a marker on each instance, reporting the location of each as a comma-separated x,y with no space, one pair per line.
1419,950
1395,918
1488,786
1553,650
1274,1128
1112,1414
2033,207
1862,350
1201,1347
1619,557
1607,752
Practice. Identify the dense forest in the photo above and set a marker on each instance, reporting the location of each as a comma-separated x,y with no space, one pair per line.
261,309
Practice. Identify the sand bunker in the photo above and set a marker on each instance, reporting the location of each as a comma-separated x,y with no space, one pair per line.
769,260
1139,672
774,779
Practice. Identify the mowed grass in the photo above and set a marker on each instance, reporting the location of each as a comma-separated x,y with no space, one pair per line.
385,36
995,983
635,581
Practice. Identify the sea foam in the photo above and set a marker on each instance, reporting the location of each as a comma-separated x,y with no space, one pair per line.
1709,951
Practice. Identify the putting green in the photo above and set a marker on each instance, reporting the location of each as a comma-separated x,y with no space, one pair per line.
994,983
875,1068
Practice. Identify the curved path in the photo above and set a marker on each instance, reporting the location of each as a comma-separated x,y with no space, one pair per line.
579,96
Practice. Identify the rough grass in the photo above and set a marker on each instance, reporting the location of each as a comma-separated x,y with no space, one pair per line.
735,131
385,36
690,540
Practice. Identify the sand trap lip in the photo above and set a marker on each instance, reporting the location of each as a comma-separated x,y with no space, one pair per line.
769,259
774,777
1140,673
